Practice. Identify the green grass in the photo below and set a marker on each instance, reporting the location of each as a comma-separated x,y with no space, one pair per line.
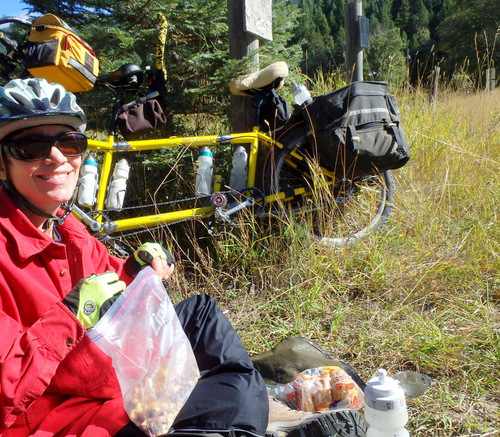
423,294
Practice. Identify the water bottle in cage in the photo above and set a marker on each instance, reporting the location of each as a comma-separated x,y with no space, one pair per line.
204,173
88,182
118,186
238,179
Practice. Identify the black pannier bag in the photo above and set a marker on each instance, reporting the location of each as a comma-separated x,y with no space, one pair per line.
357,131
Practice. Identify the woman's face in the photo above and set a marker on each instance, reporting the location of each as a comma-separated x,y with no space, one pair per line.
49,182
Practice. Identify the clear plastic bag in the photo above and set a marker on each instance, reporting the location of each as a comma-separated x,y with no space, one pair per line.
321,388
152,357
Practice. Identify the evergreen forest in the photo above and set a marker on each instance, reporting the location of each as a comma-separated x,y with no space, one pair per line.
408,39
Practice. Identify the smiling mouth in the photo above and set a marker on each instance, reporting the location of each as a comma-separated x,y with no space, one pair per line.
55,176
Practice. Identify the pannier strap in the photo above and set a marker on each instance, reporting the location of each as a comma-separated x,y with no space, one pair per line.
351,137
81,69
399,140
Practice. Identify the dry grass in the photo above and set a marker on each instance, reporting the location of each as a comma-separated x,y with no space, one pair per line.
423,294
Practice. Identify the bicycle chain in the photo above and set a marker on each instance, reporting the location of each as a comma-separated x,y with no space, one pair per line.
103,214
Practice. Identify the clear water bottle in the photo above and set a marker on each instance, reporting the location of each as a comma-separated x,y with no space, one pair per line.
385,409
88,182
239,170
204,173
301,96
118,185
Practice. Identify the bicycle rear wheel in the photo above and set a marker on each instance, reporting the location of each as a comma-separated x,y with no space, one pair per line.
335,211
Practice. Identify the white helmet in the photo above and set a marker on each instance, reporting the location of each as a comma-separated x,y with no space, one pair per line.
27,103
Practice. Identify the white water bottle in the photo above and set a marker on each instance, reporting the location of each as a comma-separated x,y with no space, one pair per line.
301,95
118,185
88,182
205,172
385,409
238,179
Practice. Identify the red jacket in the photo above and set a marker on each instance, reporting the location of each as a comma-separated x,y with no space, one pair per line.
54,380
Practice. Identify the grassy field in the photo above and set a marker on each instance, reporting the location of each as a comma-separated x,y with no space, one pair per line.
423,294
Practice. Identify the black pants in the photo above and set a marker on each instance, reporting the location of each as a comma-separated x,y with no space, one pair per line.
230,393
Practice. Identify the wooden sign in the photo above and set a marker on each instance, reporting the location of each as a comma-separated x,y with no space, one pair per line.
259,18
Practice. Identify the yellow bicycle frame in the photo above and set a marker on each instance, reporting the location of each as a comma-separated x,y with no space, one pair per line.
111,146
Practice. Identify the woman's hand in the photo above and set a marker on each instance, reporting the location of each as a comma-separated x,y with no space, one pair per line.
153,254
162,268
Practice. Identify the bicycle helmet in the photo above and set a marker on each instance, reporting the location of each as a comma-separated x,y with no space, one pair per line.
26,103
32,102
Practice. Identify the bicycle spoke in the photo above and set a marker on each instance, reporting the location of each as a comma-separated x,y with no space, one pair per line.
336,211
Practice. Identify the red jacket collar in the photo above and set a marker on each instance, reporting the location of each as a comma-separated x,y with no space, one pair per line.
19,227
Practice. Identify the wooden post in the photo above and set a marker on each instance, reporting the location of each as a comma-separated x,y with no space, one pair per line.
241,44
490,79
435,87
354,53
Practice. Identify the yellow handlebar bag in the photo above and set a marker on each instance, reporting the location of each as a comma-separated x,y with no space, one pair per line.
56,53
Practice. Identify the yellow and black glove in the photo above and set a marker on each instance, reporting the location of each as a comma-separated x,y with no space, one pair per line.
93,296
144,256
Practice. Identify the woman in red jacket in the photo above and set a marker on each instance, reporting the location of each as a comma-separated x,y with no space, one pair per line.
53,380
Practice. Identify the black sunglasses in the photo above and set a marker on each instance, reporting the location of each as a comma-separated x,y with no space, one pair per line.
36,147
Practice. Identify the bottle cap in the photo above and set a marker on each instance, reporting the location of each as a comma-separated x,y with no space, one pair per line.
122,168
89,160
205,151
384,393
297,87
383,385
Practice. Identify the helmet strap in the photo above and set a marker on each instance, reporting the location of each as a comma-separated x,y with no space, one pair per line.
26,206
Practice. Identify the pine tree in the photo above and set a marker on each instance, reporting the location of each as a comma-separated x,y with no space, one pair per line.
196,52
315,34
469,35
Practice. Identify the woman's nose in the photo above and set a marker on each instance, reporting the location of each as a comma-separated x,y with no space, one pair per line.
56,155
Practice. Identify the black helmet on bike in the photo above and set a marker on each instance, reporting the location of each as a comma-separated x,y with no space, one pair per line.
27,103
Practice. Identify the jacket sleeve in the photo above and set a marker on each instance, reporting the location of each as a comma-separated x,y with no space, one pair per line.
29,359
93,255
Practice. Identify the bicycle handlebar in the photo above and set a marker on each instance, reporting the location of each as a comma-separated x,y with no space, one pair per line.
5,40
17,20
9,43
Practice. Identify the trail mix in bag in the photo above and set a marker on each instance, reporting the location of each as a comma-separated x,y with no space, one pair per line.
56,53
323,388
152,357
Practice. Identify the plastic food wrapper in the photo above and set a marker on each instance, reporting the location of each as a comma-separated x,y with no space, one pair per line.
322,388
152,357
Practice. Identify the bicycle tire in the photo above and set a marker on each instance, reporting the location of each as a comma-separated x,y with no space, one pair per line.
338,211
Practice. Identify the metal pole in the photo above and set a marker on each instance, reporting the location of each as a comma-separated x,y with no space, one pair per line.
354,53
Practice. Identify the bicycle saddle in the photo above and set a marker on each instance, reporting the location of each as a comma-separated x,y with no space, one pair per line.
126,77
271,77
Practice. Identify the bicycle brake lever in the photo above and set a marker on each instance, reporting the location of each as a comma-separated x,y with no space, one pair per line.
9,43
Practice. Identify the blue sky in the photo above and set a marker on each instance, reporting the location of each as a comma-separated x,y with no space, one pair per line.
11,8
